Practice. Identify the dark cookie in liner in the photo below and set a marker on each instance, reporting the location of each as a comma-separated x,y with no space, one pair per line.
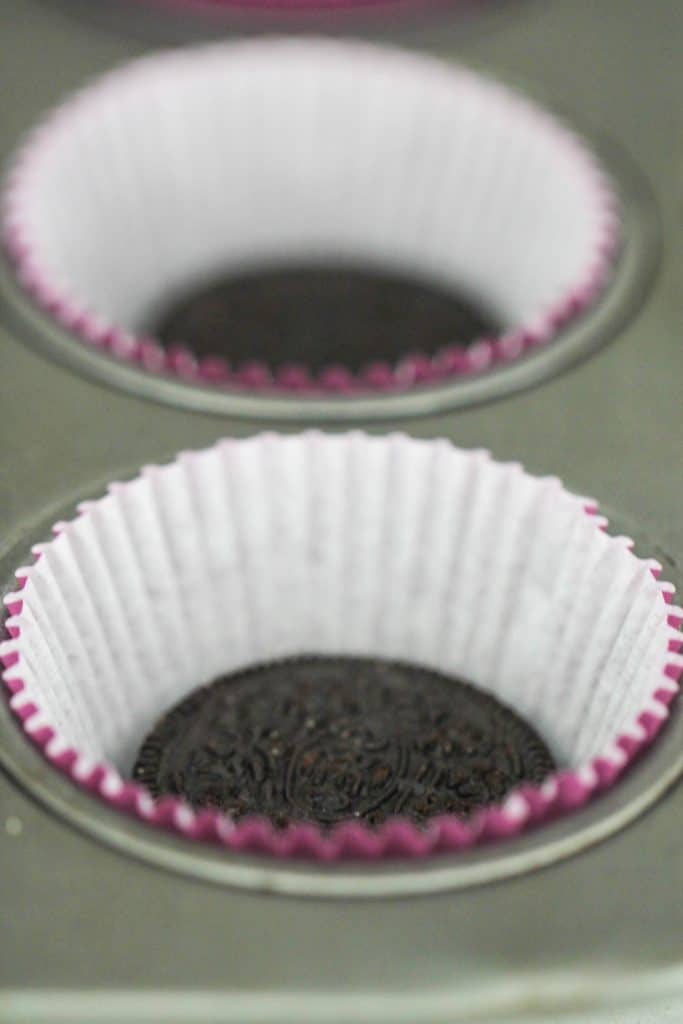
327,739
320,315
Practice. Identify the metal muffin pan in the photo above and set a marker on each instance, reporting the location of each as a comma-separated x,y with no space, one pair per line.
128,926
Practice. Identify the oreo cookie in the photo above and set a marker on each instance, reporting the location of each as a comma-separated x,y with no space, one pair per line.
328,739
319,316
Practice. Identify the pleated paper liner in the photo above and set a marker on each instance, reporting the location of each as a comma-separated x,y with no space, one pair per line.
186,166
380,547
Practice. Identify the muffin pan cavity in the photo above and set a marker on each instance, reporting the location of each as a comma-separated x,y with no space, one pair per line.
338,158
549,614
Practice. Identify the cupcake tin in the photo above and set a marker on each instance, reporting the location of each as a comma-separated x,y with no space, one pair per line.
106,920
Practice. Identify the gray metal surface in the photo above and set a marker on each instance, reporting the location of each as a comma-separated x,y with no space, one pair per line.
86,928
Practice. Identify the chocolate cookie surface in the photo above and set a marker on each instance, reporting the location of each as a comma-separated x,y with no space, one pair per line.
328,739
320,316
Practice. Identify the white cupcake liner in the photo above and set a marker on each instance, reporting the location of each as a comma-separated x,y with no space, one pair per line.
186,164
388,547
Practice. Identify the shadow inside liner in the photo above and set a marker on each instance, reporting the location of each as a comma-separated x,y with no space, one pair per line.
320,315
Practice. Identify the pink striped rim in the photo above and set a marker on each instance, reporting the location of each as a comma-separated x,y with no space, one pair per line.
218,7
415,369
525,808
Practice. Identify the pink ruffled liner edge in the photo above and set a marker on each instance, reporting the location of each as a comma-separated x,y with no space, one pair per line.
414,369
215,8
526,807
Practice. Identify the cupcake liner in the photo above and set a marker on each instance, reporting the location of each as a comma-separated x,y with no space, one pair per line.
389,547
187,164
